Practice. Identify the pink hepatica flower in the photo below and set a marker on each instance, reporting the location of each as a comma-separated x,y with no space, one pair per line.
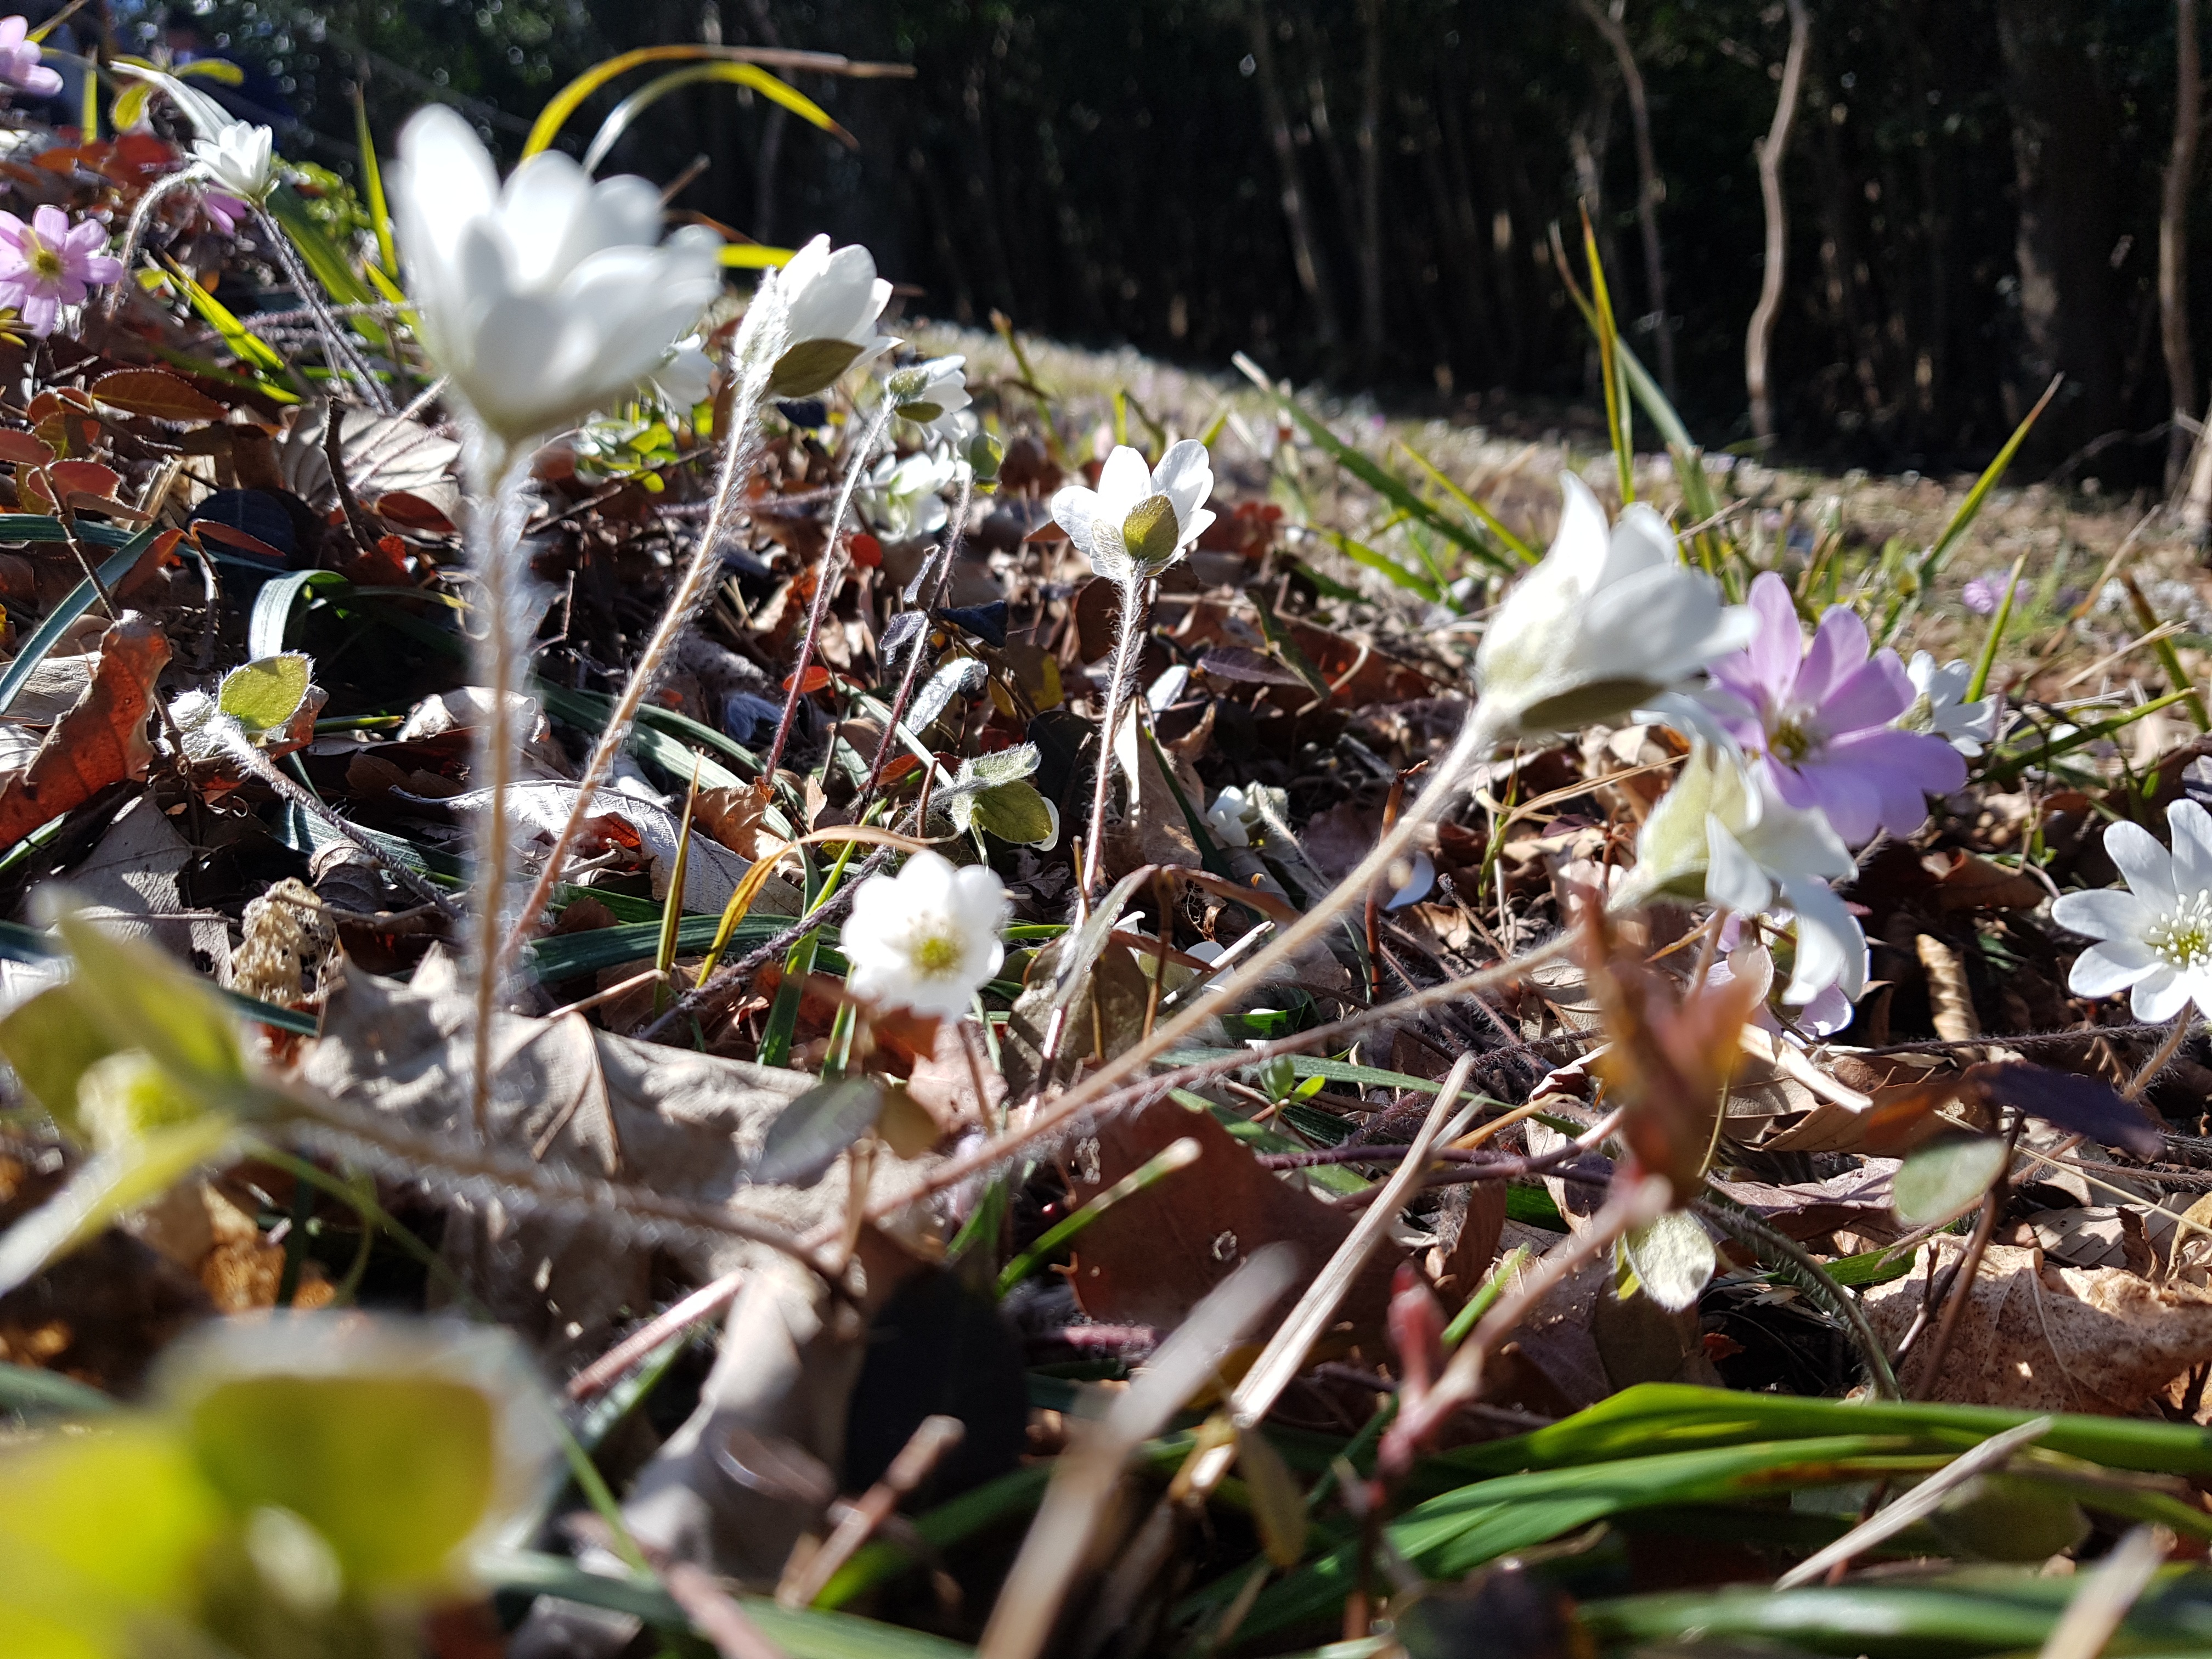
50,263
1820,721
19,61
225,212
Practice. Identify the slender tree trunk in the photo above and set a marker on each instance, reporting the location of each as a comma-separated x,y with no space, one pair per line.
1648,187
1759,340
769,161
1371,190
2174,236
1313,276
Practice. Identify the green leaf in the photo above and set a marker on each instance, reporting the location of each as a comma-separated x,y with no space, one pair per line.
104,1189
1946,1178
392,1472
264,694
810,1134
810,366
26,1389
143,1000
52,1042
1011,811
1672,1259
273,606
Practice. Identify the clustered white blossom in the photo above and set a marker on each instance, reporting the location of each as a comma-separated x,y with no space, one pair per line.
2153,940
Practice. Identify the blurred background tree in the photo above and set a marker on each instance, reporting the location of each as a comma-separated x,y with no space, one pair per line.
1364,190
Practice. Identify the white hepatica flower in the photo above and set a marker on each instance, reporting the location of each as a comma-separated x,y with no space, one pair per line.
934,394
1721,834
1139,518
926,938
2153,941
546,299
903,496
1939,708
1224,819
685,376
240,160
834,300
1610,622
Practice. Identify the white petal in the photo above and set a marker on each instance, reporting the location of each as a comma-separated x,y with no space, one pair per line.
1733,877
1123,481
1832,949
2147,865
1185,477
2192,846
1584,542
2107,970
2161,997
2107,912
1640,541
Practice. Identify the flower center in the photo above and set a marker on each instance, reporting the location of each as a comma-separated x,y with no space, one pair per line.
936,955
1794,737
2184,938
45,263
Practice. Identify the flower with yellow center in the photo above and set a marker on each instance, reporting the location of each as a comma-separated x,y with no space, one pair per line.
1139,518
50,263
2155,941
926,938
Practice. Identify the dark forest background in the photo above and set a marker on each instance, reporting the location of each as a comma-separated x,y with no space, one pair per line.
1361,191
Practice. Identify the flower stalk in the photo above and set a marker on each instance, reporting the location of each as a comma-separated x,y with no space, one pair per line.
1136,608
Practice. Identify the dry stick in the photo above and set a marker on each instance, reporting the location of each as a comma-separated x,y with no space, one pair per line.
827,581
716,1615
1629,1206
936,1436
1045,1118
2101,1605
1922,1501
682,606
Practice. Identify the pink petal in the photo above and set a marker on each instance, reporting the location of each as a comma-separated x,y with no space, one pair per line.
51,223
1839,645
1773,653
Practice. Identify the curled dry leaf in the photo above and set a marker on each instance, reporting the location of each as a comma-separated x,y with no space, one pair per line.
101,740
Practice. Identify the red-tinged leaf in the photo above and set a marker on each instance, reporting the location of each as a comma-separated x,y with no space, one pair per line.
899,767
817,676
70,480
58,401
156,393
101,740
23,448
867,551
411,512
208,530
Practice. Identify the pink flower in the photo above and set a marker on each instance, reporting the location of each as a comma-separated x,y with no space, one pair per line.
225,212
1818,721
19,61
50,263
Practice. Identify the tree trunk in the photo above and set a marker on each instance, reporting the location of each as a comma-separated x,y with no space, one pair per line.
2173,237
2066,229
1370,191
769,159
1649,188
1313,276
1759,340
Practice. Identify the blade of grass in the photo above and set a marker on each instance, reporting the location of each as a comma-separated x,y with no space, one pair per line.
1376,478
1177,1155
749,76
1489,520
1608,352
1359,553
672,907
2003,615
74,604
2168,658
1932,560
2010,764
566,102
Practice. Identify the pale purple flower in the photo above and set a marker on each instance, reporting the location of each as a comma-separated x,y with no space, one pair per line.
1819,726
225,212
1980,596
50,263
1746,954
19,61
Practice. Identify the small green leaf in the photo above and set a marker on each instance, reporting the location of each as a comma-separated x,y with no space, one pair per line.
981,771
2000,1517
50,1041
809,1134
1672,1259
1946,1178
810,366
264,694
142,1000
127,1096
1014,812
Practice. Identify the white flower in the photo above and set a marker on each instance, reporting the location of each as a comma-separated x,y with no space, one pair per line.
1139,518
926,938
1224,819
833,301
1937,709
1745,954
685,376
934,394
1722,835
240,160
2155,941
1610,622
549,298
902,496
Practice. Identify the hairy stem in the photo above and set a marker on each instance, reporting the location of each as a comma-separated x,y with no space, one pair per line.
344,359
134,237
499,506
950,552
1135,609
740,451
826,585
